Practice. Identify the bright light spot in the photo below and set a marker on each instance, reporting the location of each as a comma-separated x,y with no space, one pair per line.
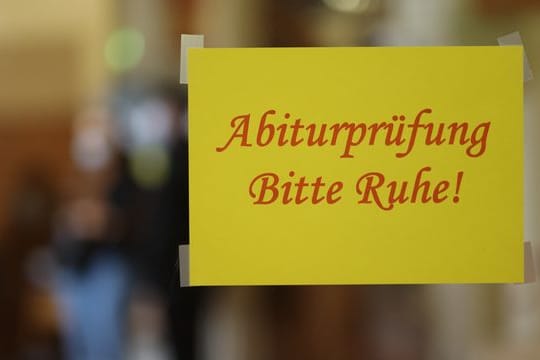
90,145
356,6
151,123
150,166
124,49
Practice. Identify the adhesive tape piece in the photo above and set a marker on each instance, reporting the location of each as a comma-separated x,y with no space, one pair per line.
530,269
183,260
186,42
515,39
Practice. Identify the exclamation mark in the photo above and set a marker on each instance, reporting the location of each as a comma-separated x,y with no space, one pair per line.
458,185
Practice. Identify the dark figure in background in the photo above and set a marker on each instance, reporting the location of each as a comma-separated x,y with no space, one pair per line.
92,279
158,220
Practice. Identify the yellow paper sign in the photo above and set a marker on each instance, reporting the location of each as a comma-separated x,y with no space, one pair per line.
355,165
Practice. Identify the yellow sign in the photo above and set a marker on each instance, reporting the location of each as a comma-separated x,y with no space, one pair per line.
355,165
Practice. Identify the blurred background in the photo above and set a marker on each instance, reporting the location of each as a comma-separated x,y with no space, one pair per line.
93,190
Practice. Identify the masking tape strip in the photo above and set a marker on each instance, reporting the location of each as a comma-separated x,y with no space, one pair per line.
515,39
530,269
183,260
186,42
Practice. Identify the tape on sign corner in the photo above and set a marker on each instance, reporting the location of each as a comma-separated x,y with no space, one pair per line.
529,264
514,38
188,41
183,261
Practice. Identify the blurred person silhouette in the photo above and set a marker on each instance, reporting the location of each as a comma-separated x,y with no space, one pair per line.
92,277
151,130
117,238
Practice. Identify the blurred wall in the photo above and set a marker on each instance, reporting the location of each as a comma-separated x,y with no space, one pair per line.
51,63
